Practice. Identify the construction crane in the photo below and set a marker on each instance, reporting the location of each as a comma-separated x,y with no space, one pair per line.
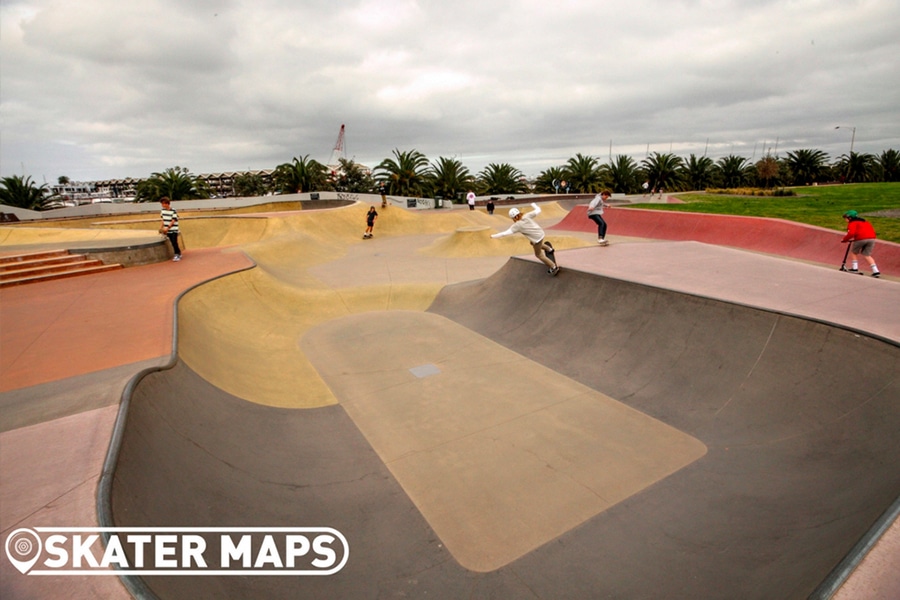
337,153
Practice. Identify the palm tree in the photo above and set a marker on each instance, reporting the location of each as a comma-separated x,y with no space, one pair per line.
806,166
733,169
857,167
544,181
501,179
176,183
249,184
299,176
889,164
21,192
583,173
405,174
351,177
621,175
449,178
663,170
699,172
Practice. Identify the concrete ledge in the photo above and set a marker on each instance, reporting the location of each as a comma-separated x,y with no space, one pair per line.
132,255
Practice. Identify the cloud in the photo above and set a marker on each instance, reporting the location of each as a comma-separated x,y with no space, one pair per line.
102,88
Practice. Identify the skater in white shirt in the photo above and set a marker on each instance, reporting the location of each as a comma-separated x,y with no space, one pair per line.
525,225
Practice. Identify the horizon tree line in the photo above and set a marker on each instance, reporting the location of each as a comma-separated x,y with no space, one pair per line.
410,173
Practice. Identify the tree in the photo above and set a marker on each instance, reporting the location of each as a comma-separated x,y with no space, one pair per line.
353,178
857,167
175,183
733,169
22,192
699,172
767,168
621,175
583,174
501,179
663,171
250,184
806,166
544,181
299,176
405,174
889,164
449,178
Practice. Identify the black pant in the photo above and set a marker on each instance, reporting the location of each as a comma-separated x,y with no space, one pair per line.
601,225
173,238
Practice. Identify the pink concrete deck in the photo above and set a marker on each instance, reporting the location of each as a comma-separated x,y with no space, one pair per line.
772,236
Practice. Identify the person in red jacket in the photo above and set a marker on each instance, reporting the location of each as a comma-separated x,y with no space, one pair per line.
861,235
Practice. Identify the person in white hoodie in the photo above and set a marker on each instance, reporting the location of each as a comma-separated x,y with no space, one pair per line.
525,225
595,214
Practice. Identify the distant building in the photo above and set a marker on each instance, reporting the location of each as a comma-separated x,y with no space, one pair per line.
221,185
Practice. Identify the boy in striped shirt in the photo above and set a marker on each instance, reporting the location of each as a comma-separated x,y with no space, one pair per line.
170,225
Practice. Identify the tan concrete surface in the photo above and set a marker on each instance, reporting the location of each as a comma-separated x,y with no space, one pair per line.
240,332
20,236
499,453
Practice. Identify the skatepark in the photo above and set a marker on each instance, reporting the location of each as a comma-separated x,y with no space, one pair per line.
667,417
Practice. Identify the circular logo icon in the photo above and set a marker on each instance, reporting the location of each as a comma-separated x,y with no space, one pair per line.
23,548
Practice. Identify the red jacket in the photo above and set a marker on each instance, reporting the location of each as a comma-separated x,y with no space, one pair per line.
859,229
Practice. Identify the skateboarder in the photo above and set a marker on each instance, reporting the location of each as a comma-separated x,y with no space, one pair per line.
370,222
525,225
861,237
595,214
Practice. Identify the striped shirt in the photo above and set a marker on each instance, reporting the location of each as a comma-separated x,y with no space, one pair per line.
170,219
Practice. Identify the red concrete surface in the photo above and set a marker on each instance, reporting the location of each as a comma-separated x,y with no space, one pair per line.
772,236
58,329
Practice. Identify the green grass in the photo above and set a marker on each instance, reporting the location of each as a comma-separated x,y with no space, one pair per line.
819,205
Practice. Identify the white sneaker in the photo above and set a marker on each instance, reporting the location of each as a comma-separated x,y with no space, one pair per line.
603,242
177,258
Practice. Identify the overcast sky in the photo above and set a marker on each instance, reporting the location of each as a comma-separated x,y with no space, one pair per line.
98,89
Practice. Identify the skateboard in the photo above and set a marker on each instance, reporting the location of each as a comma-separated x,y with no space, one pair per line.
551,253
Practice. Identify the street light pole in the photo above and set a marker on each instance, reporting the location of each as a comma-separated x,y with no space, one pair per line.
852,136
850,156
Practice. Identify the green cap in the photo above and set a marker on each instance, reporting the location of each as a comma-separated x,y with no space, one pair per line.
850,214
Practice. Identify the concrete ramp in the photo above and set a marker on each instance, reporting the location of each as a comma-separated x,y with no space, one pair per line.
797,420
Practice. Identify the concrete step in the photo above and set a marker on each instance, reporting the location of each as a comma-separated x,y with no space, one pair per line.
39,263
7,259
18,269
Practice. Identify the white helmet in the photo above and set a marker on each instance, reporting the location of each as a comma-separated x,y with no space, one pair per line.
513,213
